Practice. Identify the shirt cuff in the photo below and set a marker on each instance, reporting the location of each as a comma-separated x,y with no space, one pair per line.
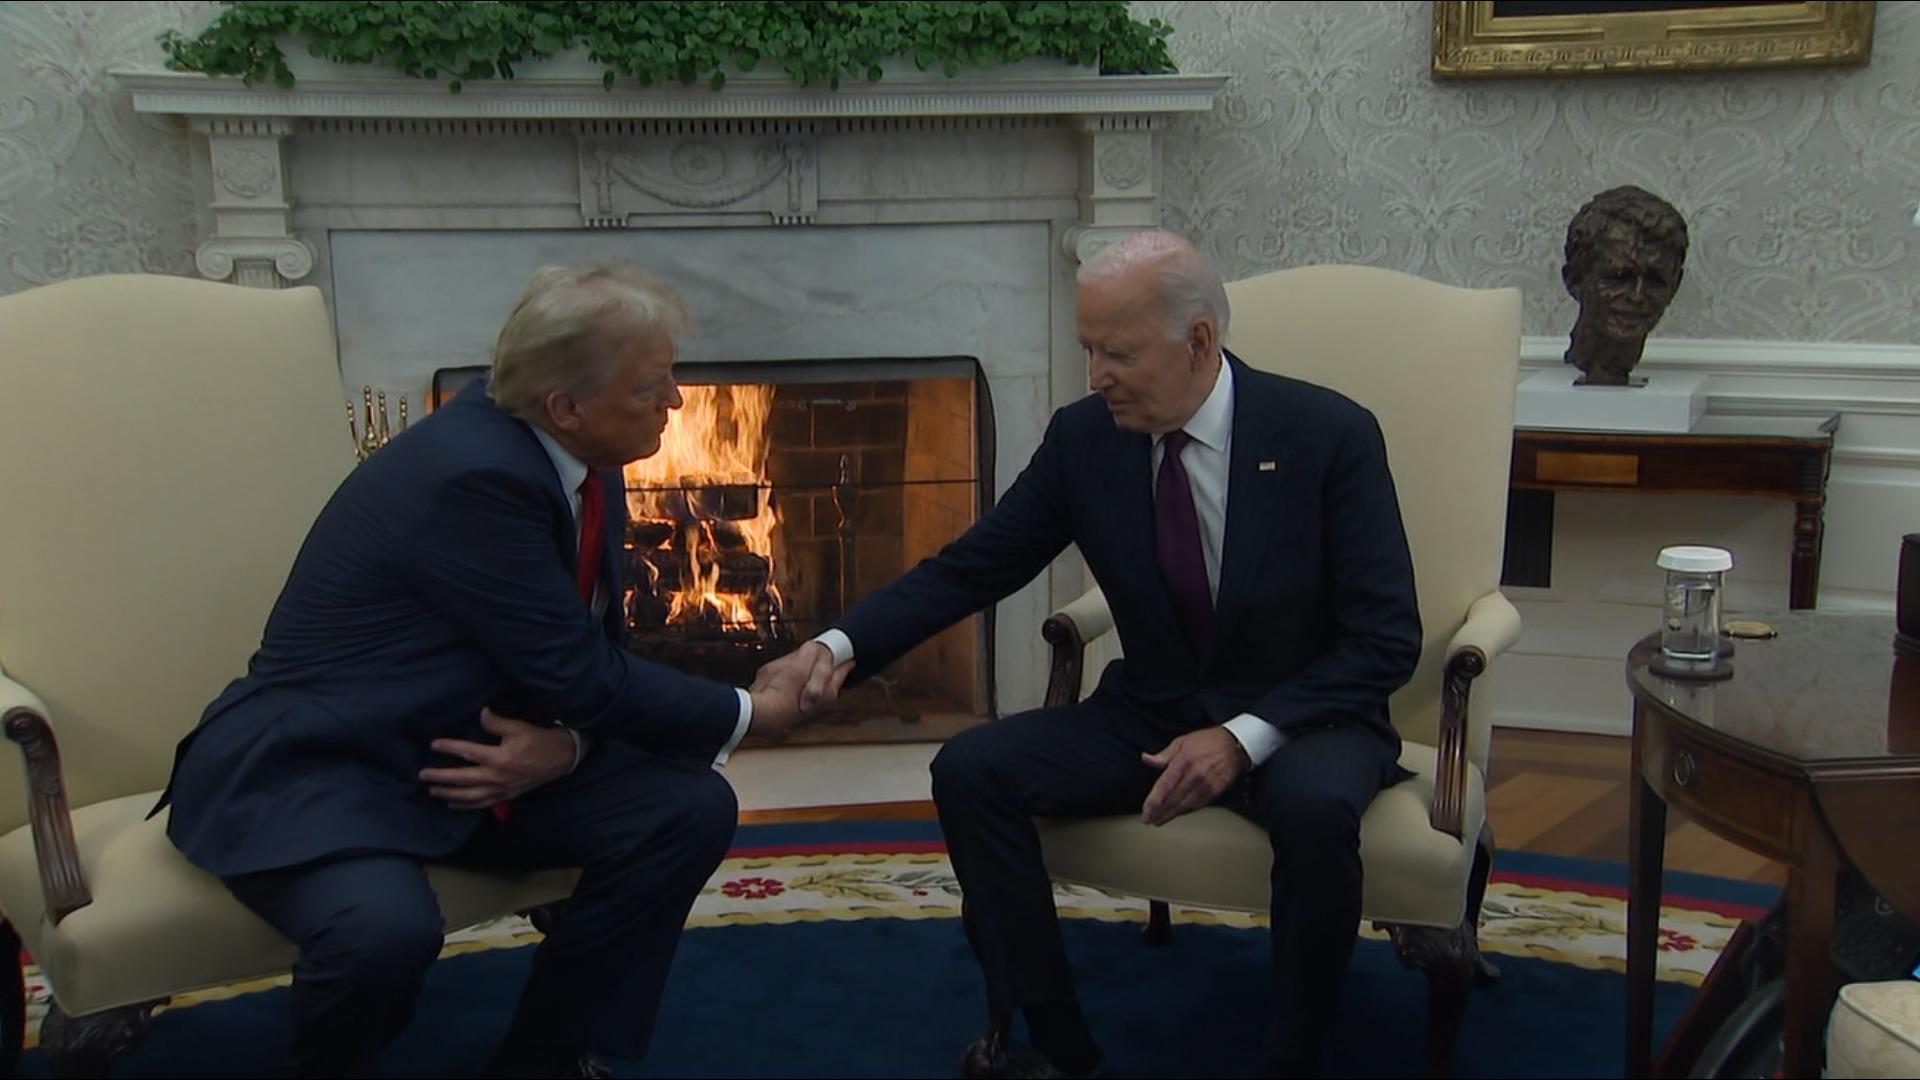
837,643
739,726
1257,737
579,749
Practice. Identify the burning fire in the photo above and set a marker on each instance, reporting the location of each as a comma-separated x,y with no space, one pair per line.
704,499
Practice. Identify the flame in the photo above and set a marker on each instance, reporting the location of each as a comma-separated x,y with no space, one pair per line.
713,453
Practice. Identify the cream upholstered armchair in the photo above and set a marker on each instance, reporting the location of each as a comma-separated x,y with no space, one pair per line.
1436,365
164,445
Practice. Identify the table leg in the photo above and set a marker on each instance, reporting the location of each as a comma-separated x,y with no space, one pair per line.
1646,858
1809,527
1811,888
1720,996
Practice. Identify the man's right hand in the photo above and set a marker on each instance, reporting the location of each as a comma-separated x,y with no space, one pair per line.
798,684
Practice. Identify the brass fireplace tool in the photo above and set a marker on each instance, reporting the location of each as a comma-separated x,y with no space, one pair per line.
846,497
375,433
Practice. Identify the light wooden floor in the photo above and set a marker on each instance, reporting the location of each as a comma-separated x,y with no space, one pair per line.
1547,792
1560,794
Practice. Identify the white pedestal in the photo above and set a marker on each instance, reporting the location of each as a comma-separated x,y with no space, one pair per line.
1669,402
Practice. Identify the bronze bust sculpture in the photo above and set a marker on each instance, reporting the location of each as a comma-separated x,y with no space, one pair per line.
1624,253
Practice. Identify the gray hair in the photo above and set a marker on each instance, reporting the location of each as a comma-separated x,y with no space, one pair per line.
1189,287
548,341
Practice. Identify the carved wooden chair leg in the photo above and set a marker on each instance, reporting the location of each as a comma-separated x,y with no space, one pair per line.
13,1003
88,1045
1159,929
1451,960
1484,971
1443,956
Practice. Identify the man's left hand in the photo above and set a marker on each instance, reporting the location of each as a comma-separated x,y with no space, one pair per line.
1195,769
527,756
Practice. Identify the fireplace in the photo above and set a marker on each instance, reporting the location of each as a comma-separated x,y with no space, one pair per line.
783,493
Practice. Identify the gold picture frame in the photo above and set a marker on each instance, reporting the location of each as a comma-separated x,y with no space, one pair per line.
1481,39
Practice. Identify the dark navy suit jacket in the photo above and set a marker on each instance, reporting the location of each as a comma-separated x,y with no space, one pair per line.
1316,621
437,580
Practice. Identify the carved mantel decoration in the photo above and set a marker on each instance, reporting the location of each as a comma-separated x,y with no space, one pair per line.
660,174
286,166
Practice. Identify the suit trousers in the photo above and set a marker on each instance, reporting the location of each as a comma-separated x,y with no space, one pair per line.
648,831
1083,760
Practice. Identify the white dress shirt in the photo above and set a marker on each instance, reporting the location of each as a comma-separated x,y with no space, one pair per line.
572,472
1207,455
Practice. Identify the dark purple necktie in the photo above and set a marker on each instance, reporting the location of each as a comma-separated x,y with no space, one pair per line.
1176,544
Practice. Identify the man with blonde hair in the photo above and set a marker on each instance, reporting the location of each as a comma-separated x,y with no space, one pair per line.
1245,531
446,644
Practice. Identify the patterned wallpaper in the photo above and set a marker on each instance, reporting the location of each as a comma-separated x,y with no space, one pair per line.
1333,144
1330,145
87,185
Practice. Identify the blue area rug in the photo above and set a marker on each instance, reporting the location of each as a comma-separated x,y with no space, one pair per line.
881,987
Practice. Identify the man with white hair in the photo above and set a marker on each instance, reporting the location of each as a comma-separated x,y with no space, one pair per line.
1245,531
448,638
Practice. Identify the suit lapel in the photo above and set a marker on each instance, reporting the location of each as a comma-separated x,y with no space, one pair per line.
1134,529
560,506
1253,493
612,546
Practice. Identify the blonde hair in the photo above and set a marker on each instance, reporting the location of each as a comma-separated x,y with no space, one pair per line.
548,342
1188,286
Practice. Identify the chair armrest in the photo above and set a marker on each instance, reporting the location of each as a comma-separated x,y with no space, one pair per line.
1068,631
1492,626
64,884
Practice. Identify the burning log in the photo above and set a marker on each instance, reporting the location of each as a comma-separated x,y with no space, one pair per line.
727,502
768,617
645,612
703,528
744,573
707,620
666,571
693,542
669,504
728,537
648,533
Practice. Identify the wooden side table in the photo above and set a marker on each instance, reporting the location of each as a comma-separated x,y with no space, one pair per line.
1810,755
1779,457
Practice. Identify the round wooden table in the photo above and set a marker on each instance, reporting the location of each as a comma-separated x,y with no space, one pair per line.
1809,755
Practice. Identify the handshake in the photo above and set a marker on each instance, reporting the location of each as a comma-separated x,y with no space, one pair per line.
793,687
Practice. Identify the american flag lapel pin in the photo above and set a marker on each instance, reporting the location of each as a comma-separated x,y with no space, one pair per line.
1267,466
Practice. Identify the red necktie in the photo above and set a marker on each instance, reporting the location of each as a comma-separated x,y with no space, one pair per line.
593,529
1176,543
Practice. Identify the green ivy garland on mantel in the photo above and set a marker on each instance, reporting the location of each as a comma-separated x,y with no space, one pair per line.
661,41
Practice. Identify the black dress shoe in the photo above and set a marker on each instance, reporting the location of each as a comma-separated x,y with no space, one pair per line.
560,1065
993,1056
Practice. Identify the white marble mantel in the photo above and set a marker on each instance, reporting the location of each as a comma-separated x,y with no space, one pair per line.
1065,94
911,217
760,151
